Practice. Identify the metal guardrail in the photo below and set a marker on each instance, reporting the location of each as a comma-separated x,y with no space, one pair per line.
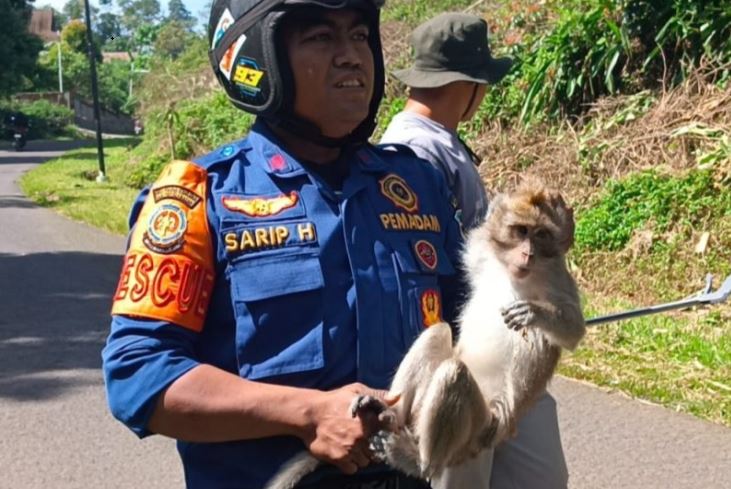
707,296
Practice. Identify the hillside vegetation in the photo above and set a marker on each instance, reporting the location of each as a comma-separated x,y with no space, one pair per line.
625,105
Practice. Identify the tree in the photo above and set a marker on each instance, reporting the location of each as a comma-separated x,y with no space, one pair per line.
18,48
74,9
136,13
179,14
108,28
74,35
172,39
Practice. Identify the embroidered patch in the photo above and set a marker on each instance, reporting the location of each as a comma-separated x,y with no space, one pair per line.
174,288
253,239
260,206
176,192
395,189
155,282
426,253
228,151
166,229
431,307
277,163
400,221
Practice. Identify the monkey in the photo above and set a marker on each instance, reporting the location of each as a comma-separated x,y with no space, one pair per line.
522,309
523,305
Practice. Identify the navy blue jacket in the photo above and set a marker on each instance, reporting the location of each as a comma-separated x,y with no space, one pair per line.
245,260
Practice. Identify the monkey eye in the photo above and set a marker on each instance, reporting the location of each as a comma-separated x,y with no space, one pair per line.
520,231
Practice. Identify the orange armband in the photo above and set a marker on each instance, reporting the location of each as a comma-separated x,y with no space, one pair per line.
168,270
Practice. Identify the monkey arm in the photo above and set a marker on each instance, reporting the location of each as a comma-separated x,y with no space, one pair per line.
561,320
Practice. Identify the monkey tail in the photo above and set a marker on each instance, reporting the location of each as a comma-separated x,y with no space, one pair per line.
293,471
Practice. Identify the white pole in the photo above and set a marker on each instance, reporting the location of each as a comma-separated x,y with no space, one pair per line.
60,69
131,75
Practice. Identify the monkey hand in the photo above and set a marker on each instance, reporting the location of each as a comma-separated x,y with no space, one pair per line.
335,436
520,314
366,406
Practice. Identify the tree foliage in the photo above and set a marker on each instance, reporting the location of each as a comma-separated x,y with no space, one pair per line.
179,14
18,48
74,10
136,13
172,39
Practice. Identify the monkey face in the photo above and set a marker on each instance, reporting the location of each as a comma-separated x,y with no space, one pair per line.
529,228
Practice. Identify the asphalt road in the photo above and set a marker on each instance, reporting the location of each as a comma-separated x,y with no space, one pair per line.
56,281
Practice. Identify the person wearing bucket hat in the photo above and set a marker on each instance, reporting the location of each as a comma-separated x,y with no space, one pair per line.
268,283
452,65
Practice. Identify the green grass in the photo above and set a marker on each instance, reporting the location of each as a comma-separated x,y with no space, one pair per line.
681,361
414,13
67,185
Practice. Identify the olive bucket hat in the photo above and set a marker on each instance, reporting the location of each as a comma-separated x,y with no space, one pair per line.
452,47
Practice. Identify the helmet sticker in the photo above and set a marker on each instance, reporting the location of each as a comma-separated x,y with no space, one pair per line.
224,22
248,76
227,63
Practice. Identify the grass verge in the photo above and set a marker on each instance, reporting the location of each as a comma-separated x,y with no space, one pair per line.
68,185
681,361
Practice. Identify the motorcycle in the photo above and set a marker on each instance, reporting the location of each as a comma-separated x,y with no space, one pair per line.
17,124
19,138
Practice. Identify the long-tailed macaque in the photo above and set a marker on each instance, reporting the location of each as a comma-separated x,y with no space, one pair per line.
522,309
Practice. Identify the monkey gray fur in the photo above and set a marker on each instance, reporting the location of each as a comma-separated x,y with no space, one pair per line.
523,308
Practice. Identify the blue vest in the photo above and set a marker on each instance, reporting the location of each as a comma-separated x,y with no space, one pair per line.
313,288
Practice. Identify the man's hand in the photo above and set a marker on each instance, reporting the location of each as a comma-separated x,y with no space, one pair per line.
338,438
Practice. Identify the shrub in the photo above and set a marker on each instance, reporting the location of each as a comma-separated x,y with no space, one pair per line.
649,198
584,49
47,120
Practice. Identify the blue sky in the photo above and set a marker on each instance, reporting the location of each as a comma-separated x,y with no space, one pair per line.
194,6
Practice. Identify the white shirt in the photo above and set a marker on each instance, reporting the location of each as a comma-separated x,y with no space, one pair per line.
443,149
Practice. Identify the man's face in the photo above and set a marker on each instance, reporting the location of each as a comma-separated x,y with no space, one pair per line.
332,64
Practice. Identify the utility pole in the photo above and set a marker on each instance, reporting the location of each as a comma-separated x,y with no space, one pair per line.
60,68
102,177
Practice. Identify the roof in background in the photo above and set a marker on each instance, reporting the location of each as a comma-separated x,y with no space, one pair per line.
41,25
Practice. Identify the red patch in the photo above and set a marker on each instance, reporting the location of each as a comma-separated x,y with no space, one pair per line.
426,253
277,163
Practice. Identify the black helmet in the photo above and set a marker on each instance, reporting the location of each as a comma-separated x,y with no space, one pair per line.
255,73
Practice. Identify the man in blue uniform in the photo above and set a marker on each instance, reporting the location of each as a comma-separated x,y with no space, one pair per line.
270,281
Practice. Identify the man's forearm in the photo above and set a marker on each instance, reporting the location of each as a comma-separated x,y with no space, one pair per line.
208,404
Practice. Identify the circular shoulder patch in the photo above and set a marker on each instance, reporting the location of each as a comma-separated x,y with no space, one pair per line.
397,191
166,229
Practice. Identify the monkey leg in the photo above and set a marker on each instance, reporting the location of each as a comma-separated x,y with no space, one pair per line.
399,450
431,348
453,418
